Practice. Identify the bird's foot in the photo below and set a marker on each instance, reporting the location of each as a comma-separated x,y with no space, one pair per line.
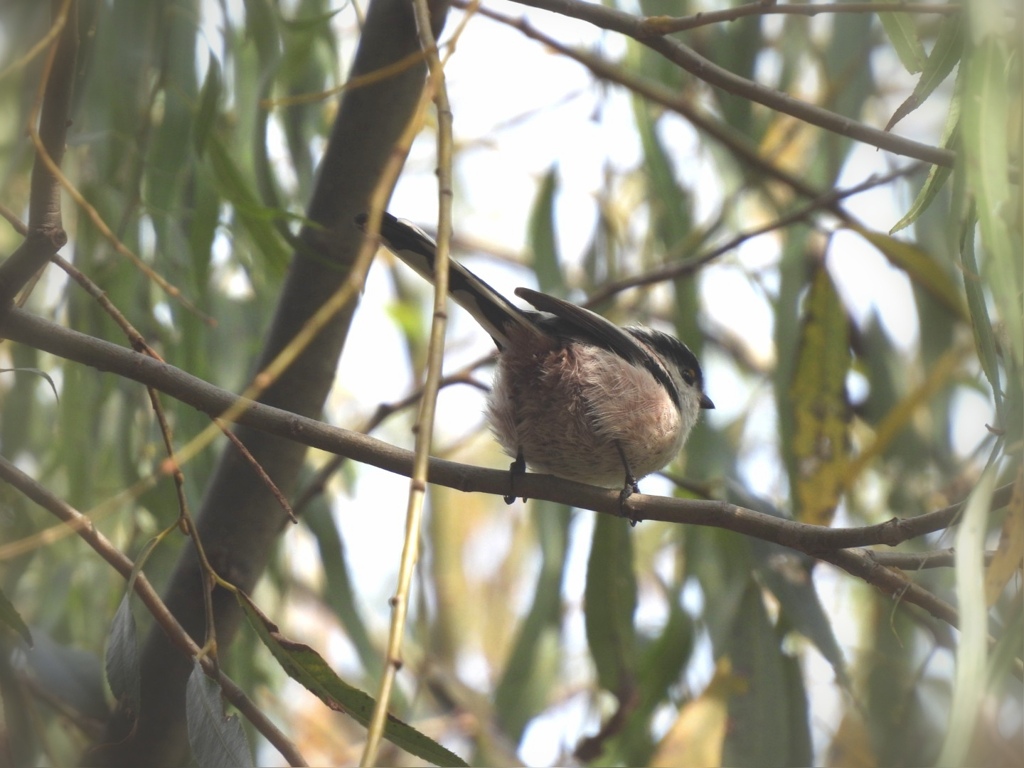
628,489
517,467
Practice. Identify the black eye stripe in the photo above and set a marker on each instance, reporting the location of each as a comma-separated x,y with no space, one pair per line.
674,354
671,349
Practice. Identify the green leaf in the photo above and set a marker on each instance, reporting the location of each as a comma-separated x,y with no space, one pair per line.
37,372
662,661
981,323
68,675
937,174
215,738
209,96
543,245
760,719
1003,657
9,615
737,46
306,666
261,26
256,217
945,55
671,204
122,657
529,675
610,600
820,408
787,575
202,228
122,660
660,666
987,158
315,22
794,699
851,85
795,274
903,35
970,676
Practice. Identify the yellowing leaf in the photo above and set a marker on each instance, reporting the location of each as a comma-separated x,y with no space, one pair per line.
851,746
820,409
789,143
898,418
1010,553
696,737
920,267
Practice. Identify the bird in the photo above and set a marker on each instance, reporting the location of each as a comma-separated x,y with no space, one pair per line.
574,395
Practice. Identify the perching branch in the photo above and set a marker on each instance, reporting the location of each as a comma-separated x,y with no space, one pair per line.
814,540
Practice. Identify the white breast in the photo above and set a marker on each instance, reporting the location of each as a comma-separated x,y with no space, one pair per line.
567,410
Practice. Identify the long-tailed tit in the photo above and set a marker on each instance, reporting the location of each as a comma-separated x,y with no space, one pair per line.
574,395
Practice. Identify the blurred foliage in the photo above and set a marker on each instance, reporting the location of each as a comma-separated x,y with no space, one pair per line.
544,632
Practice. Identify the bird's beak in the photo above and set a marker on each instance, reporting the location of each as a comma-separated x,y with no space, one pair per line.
705,402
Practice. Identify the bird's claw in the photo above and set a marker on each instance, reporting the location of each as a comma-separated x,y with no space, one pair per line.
630,487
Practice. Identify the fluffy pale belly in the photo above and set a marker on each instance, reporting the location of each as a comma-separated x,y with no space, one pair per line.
570,413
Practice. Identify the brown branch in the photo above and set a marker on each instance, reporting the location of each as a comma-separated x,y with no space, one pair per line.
707,71
913,561
891,582
664,97
46,233
811,539
85,529
14,220
666,25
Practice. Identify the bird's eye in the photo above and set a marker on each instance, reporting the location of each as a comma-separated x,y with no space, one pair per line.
688,375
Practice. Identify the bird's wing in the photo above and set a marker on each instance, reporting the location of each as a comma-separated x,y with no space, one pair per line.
586,325
576,322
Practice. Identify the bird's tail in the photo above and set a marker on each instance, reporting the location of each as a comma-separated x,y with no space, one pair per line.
416,248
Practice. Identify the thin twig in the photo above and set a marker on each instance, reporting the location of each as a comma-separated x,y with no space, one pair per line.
667,25
913,561
891,582
688,266
428,403
140,344
384,411
689,60
14,220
